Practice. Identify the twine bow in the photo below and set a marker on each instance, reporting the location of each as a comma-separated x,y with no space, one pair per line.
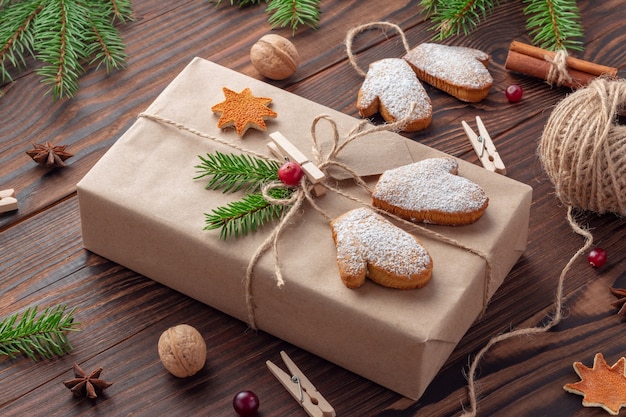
303,193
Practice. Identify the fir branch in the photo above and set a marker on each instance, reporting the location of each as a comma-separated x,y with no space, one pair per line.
293,13
64,34
36,337
239,218
457,16
554,24
16,38
232,172
104,42
60,47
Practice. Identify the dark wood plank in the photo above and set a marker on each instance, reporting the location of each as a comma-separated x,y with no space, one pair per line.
122,313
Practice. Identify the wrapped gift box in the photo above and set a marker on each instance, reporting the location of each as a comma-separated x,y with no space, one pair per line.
141,208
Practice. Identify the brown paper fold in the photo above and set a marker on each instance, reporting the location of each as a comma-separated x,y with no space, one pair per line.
141,208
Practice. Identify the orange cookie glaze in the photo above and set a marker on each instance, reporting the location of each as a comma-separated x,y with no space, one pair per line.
390,88
430,191
243,110
459,71
369,245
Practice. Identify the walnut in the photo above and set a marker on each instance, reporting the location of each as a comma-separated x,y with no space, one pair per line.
182,350
275,57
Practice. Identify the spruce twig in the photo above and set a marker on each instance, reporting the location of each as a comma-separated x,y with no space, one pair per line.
231,173
63,34
35,337
292,13
239,218
553,24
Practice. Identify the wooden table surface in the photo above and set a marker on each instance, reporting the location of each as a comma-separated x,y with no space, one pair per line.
122,314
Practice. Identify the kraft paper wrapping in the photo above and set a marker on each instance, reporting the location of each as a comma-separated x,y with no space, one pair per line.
141,208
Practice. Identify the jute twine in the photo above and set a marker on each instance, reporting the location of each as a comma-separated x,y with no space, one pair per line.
583,152
303,193
558,73
352,33
583,148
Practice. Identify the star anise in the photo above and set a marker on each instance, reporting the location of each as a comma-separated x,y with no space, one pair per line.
49,155
83,384
620,303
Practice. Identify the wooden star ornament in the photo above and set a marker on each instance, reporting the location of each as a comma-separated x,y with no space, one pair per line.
243,111
601,386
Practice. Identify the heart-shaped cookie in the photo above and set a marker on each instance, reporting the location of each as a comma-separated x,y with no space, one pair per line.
391,88
430,191
369,245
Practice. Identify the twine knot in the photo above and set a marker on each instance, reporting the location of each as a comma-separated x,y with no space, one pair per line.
558,74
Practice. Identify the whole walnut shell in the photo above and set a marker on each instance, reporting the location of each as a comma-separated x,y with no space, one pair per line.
275,57
182,350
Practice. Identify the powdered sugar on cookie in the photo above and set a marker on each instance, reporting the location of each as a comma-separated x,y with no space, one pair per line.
391,87
430,191
458,70
370,245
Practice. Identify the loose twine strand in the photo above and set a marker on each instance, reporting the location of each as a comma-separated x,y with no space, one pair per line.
583,152
303,193
558,74
553,321
352,33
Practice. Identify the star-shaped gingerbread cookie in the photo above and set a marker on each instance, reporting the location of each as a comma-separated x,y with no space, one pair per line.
243,111
601,386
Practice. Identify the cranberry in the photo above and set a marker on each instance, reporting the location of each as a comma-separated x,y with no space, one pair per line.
246,403
514,93
597,257
290,173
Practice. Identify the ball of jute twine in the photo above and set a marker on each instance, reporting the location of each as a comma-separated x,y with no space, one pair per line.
583,148
583,152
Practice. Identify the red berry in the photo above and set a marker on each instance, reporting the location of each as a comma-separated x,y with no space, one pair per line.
514,93
290,173
246,403
597,257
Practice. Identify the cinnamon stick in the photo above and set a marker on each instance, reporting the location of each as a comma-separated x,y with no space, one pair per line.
530,60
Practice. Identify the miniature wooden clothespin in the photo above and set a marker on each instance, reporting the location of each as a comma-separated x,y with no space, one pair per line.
301,389
282,148
8,202
484,147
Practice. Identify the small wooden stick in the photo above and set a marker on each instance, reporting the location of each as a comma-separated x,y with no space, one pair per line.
8,202
530,60
281,147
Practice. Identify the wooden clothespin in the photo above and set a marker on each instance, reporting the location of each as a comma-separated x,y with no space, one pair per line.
484,147
282,148
301,389
8,202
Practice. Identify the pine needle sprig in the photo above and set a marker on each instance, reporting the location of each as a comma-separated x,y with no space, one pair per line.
239,218
231,172
37,336
294,13
554,24
64,35
457,16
